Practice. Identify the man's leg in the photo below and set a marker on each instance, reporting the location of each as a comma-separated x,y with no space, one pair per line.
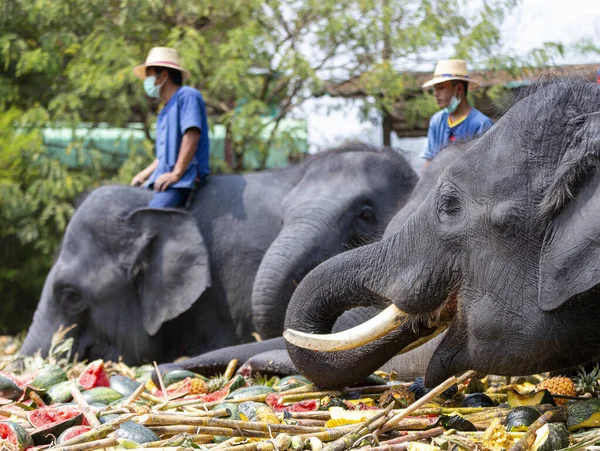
171,198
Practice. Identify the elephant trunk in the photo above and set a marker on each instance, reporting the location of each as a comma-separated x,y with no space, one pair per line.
289,258
38,336
45,323
334,287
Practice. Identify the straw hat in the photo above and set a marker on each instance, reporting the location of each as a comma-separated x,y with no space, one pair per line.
163,57
446,70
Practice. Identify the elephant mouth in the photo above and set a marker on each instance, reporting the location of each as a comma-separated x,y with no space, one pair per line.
90,347
379,326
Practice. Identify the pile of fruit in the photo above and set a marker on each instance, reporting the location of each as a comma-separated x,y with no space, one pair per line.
88,406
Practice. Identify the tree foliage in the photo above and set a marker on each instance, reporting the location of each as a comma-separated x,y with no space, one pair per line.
36,203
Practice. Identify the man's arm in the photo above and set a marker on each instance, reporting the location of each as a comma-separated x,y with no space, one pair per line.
189,144
143,175
187,151
486,125
430,150
427,153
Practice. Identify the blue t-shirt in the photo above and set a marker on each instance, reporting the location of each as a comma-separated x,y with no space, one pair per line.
183,111
440,134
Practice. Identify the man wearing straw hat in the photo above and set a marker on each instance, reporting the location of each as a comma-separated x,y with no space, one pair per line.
182,145
457,121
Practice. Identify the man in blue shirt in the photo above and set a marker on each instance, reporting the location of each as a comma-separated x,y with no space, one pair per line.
457,121
182,144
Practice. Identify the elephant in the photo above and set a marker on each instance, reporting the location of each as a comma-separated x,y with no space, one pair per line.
270,357
145,284
504,253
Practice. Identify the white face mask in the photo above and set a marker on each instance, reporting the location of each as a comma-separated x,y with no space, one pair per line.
151,89
453,105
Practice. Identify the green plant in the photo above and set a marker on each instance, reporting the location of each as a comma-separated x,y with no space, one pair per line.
587,382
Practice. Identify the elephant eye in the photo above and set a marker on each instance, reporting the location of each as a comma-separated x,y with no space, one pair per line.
70,299
450,205
366,213
449,202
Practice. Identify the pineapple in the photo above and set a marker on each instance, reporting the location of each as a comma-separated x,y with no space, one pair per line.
559,386
196,386
217,383
588,382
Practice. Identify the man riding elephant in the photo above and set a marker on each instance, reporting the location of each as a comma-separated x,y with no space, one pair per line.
182,145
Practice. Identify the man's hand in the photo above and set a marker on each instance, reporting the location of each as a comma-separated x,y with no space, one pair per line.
143,175
139,179
165,180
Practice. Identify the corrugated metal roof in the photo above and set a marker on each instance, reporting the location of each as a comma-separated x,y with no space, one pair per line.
487,78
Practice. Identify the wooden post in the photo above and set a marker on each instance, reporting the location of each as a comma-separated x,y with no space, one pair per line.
387,129
387,56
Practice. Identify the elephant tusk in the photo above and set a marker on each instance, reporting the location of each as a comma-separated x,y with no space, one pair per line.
367,332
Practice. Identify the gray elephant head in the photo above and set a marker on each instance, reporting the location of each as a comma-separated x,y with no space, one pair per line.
505,250
108,276
344,199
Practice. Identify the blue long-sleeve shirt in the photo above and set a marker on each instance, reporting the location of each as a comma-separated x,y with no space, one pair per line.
440,134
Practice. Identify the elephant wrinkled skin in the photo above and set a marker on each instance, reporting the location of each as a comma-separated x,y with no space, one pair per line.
506,245
271,357
150,284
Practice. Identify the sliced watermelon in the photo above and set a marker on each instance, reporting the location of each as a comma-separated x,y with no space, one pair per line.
15,434
218,395
48,415
94,376
308,405
73,431
178,390
46,434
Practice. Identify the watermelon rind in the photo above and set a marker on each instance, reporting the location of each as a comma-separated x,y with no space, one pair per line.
47,434
124,385
103,395
9,389
130,430
48,377
22,437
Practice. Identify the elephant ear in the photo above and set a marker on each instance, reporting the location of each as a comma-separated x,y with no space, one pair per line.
169,264
570,256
